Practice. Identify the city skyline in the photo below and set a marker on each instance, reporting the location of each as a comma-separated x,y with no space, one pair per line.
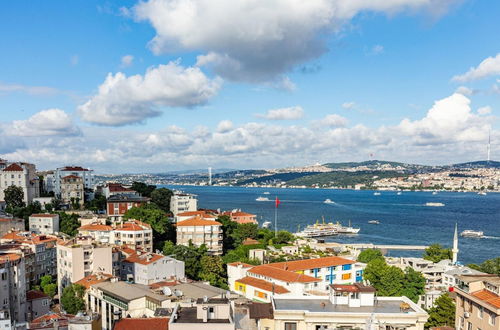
159,85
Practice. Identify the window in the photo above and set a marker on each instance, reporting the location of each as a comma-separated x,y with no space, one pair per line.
260,294
480,311
290,326
346,267
469,326
346,276
321,327
461,322
492,318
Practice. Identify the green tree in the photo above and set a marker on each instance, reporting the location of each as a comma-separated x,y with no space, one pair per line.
436,253
163,230
50,289
265,235
213,271
228,228
191,255
443,313
243,231
69,223
391,282
143,189
283,236
96,204
374,271
72,299
369,254
413,284
14,196
490,266
46,279
161,197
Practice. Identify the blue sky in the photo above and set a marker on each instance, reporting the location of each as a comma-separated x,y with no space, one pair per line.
247,84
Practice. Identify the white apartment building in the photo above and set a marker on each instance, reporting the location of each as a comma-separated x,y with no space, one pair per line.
72,189
13,286
181,202
133,233
22,175
84,173
201,231
80,257
299,277
149,268
191,214
46,224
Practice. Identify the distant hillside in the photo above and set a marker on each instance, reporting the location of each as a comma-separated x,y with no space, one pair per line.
279,177
478,164
373,164
343,178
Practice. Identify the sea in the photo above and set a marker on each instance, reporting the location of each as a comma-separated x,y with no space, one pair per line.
404,219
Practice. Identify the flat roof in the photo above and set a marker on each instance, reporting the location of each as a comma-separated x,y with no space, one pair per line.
126,291
189,315
197,290
325,306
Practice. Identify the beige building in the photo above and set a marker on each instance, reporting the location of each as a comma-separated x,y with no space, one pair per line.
208,314
72,189
44,223
181,202
10,224
22,175
477,302
80,257
201,231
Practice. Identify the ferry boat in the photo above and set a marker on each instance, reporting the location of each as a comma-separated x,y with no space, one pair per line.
266,193
434,192
434,204
482,193
266,224
346,230
399,193
472,233
328,201
374,222
376,194
262,199
318,230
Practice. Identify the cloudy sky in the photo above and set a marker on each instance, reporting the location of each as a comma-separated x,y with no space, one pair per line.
156,85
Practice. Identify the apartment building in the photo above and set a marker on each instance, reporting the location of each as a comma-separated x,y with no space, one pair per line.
80,257
208,314
46,224
84,173
13,286
37,304
300,277
181,202
112,188
148,268
21,175
477,302
241,217
117,205
345,307
8,224
191,214
132,233
72,189
201,231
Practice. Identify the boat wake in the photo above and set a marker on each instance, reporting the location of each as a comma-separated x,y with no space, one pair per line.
491,237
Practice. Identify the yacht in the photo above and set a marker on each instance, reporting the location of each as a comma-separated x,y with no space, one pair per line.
376,194
266,224
434,192
266,193
262,199
399,193
374,222
482,193
328,201
434,204
472,233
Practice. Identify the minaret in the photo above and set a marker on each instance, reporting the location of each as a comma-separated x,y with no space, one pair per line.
455,246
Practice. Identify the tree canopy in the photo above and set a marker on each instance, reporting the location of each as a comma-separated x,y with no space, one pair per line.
72,299
191,255
69,223
369,254
14,196
161,197
143,189
490,266
48,286
443,313
436,253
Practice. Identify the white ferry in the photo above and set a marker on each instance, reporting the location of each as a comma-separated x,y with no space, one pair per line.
376,194
434,204
266,224
328,201
262,199
266,193
482,193
346,230
472,233
374,222
318,230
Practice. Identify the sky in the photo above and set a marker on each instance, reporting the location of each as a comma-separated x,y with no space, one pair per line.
159,85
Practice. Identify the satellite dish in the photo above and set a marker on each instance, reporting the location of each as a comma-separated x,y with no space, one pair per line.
167,291
178,293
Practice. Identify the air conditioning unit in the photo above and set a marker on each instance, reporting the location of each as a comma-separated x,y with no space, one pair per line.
466,315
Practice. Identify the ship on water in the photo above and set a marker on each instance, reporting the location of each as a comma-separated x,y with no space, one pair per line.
326,229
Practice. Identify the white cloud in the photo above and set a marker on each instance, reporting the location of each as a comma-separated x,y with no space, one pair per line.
127,61
260,40
32,90
224,126
334,120
488,67
376,50
348,105
124,100
44,123
464,90
484,110
290,113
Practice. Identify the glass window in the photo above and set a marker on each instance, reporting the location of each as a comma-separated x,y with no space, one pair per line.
290,326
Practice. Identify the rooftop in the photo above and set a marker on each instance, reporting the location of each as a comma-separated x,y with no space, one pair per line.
263,285
127,198
488,297
96,227
153,323
281,274
198,221
189,315
93,279
13,168
35,294
44,215
356,287
144,259
127,292
197,290
312,263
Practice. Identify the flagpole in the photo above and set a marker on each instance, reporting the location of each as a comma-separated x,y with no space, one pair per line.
276,219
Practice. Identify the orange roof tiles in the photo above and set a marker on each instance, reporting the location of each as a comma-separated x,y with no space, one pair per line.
312,263
488,297
235,264
198,221
13,168
191,213
93,279
154,323
35,294
135,225
144,259
250,241
262,284
281,274
96,227
9,257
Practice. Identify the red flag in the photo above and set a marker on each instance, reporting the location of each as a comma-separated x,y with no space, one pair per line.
277,202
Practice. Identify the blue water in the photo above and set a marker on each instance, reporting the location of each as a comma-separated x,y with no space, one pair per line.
404,219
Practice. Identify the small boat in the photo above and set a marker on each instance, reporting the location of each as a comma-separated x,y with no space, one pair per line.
376,194
482,193
434,192
434,204
328,201
399,193
374,222
266,193
472,233
266,224
262,199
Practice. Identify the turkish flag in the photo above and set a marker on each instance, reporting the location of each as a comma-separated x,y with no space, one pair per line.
277,202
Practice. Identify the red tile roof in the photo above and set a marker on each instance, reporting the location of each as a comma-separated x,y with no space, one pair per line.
488,297
96,227
235,264
250,241
262,284
198,221
35,294
72,177
297,265
116,187
154,323
144,258
47,321
281,274
73,168
357,287
9,257
133,226
94,279
13,168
